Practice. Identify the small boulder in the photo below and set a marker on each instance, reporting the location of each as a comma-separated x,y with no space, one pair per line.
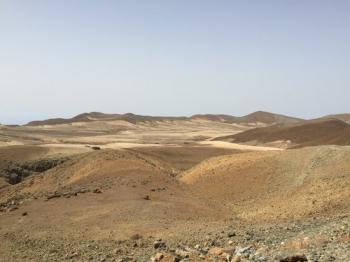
231,234
216,251
158,257
13,208
14,178
294,258
159,244
245,250
136,237
177,259
236,259
182,253
53,195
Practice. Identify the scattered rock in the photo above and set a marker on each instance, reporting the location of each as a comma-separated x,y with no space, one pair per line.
24,214
201,256
53,195
177,259
245,250
159,244
14,178
229,251
182,253
294,258
83,191
158,257
236,259
216,251
136,237
117,251
67,194
75,254
97,191
12,208
146,197
231,234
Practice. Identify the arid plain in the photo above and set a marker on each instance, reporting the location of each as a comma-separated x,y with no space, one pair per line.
109,187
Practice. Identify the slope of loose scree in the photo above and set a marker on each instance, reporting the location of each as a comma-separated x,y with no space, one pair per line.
274,185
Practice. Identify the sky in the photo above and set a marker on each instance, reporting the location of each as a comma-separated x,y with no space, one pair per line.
181,57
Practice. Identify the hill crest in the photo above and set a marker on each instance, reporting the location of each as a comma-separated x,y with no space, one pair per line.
256,117
307,133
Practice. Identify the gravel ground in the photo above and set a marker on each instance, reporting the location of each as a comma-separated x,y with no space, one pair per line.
316,239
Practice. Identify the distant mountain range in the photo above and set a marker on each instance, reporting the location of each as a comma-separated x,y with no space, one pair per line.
97,116
296,132
256,117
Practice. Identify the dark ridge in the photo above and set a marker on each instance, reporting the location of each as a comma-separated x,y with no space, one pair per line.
308,133
259,116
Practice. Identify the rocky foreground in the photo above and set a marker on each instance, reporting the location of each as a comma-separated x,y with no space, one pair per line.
315,239
120,205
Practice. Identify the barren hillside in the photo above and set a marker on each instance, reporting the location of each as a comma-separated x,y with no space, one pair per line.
308,133
139,195
271,185
259,117
343,117
268,118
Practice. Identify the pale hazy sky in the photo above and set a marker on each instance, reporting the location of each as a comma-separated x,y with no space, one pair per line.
181,57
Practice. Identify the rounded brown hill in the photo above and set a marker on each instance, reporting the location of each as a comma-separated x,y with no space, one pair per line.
273,185
262,117
139,193
310,133
343,117
268,118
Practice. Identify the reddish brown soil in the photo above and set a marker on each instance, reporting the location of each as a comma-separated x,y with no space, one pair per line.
310,133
